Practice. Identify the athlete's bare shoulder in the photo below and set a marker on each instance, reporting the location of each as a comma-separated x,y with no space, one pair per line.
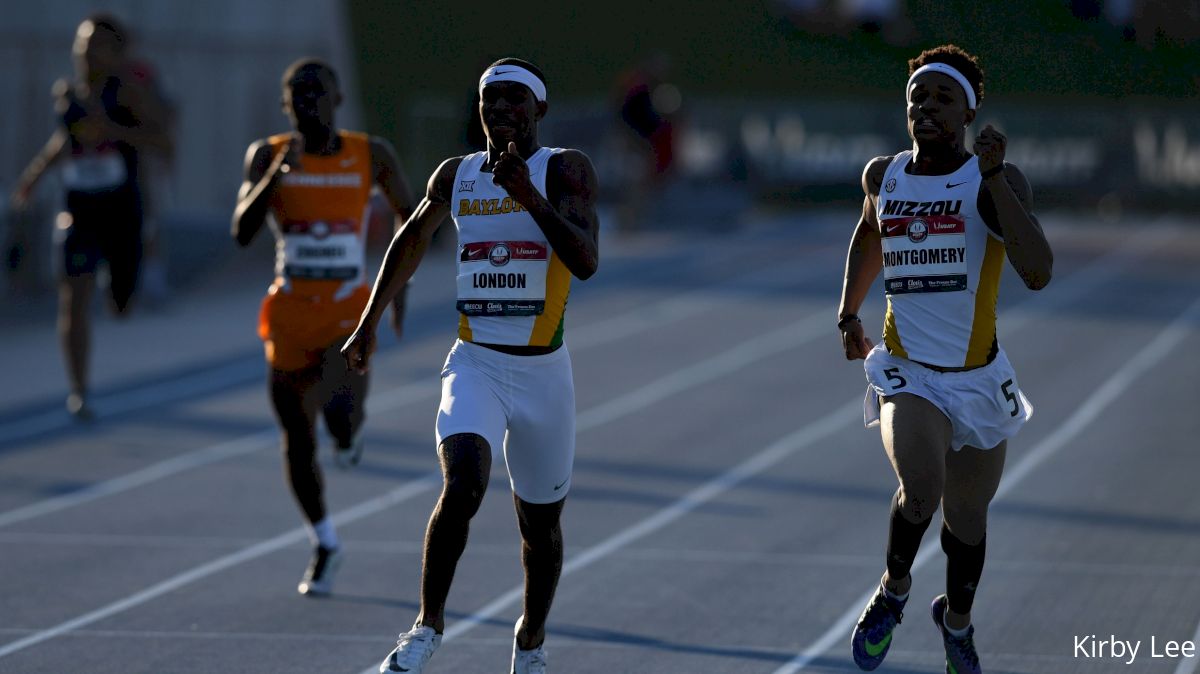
258,158
441,184
872,177
573,171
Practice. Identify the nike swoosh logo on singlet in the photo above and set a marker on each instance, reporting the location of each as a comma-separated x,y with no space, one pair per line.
949,186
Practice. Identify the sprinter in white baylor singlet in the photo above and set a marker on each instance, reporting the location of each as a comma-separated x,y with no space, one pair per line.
939,221
526,220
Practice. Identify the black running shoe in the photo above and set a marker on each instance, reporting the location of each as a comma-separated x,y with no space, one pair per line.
318,578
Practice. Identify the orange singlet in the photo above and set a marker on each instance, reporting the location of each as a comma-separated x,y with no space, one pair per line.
320,214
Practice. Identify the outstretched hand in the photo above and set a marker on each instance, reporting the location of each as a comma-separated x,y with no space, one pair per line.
512,173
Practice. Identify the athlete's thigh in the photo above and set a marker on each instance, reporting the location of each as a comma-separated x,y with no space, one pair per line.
540,449
916,435
294,397
470,404
466,462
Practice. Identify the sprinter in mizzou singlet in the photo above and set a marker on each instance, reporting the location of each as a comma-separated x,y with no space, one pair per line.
314,185
939,221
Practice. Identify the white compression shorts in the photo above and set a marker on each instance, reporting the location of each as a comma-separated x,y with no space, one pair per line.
525,404
985,405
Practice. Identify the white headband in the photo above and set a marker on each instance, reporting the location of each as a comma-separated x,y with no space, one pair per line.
512,73
945,70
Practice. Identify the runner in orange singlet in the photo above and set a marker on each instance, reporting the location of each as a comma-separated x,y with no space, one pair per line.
316,182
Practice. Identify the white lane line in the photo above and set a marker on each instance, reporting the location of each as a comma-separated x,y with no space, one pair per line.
1162,346
602,332
678,381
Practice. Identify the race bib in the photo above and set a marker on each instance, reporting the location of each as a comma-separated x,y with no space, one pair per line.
502,278
321,251
94,172
925,254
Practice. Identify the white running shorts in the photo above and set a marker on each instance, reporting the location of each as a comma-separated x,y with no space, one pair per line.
525,404
984,405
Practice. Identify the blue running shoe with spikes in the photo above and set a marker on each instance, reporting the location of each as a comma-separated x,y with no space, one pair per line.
873,633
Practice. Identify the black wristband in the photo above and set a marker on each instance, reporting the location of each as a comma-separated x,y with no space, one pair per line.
846,319
992,171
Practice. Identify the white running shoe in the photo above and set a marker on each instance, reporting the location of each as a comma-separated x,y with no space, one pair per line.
78,407
348,457
413,650
529,662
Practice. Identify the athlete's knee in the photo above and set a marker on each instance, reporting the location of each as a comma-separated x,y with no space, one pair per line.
545,538
461,497
917,505
462,492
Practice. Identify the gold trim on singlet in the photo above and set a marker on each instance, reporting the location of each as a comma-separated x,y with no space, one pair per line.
558,285
891,335
983,325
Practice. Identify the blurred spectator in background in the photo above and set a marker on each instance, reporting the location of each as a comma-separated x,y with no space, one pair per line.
885,18
649,104
106,120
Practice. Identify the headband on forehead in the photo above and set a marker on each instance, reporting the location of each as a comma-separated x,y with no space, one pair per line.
512,73
949,71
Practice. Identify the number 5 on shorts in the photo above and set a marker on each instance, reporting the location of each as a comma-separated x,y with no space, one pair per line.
893,374
1009,396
